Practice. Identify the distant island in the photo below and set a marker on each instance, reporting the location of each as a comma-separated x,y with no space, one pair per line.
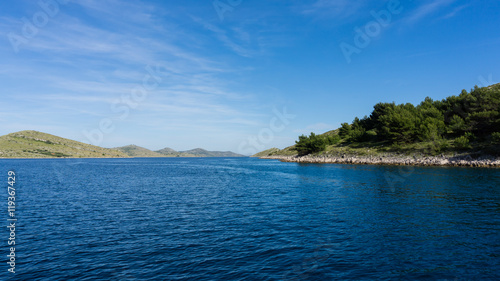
33,144
137,151
461,130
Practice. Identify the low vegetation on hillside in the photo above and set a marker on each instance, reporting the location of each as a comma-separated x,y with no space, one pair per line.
137,151
33,144
199,152
169,152
467,123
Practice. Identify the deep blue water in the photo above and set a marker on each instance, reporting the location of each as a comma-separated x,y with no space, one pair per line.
250,219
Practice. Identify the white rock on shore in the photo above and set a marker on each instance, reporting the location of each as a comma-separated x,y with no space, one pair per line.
465,161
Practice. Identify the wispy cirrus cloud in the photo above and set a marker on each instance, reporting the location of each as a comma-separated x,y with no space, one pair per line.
456,11
328,8
427,9
235,38
81,65
226,76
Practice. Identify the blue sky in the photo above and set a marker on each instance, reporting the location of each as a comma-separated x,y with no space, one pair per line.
229,74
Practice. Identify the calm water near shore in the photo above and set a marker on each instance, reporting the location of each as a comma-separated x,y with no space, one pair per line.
250,219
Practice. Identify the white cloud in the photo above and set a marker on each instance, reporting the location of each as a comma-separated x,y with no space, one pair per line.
338,9
77,66
455,11
427,9
222,36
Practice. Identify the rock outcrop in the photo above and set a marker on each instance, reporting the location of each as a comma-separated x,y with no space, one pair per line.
458,161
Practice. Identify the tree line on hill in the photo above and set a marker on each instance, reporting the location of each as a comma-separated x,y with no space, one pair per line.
471,116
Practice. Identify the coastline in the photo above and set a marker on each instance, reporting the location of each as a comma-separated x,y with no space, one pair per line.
120,157
25,158
454,161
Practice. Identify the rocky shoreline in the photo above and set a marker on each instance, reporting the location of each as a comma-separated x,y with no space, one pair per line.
455,161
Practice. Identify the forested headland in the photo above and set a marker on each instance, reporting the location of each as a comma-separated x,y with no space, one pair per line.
466,123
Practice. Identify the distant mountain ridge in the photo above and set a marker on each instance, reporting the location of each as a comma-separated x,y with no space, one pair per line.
166,150
137,151
200,152
169,152
33,144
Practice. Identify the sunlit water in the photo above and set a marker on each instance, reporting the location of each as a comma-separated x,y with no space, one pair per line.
250,219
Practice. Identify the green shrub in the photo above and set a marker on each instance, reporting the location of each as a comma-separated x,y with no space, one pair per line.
436,147
333,139
396,147
345,130
443,144
358,134
495,138
470,136
462,142
372,134
311,144
457,124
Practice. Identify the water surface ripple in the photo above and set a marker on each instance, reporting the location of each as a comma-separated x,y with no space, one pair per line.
251,219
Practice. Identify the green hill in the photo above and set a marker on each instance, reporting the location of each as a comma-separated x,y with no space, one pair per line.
268,152
137,151
33,144
169,152
465,124
199,152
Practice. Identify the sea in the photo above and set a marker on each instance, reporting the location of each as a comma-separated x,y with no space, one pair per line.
246,219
